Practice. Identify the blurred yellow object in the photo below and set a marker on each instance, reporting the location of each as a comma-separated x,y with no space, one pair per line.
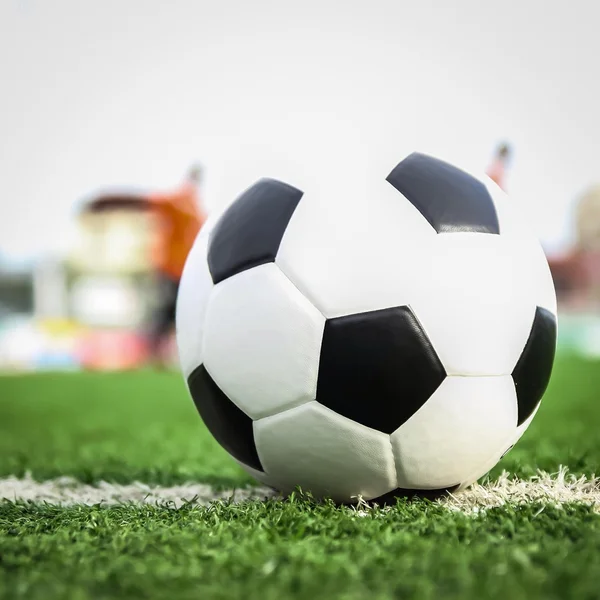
115,234
125,245
60,327
588,220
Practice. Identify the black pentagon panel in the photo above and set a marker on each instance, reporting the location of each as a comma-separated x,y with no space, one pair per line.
534,367
231,427
450,199
249,232
391,497
377,368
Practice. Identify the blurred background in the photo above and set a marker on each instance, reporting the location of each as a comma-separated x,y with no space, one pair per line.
125,125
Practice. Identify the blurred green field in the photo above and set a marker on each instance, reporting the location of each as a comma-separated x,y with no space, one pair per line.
117,427
142,426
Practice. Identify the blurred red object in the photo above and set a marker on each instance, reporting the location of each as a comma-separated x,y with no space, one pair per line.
180,215
108,350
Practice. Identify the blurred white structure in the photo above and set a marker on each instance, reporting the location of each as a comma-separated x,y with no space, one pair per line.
50,299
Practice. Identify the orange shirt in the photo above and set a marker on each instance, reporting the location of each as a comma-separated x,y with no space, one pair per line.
179,219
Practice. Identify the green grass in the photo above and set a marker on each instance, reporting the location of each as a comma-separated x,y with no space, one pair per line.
296,549
126,426
117,427
142,426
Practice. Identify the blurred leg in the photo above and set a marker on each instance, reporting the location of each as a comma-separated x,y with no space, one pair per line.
163,323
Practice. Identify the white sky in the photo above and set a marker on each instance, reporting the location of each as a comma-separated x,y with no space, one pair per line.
129,93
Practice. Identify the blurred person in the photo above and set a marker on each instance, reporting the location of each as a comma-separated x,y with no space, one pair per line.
497,169
179,217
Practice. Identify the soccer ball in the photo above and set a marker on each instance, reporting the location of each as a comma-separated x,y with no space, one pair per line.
393,341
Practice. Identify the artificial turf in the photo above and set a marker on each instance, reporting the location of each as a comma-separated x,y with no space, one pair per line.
142,426
300,550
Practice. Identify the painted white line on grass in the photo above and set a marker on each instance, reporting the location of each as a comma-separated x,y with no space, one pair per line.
557,488
547,488
67,491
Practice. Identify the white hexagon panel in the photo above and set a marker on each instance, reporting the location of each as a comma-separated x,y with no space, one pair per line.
515,229
192,302
319,450
262,341
493,460
356,251
475,302
466,421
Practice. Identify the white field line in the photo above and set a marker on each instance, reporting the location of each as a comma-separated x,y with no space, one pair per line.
557,488
546,488
67,491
